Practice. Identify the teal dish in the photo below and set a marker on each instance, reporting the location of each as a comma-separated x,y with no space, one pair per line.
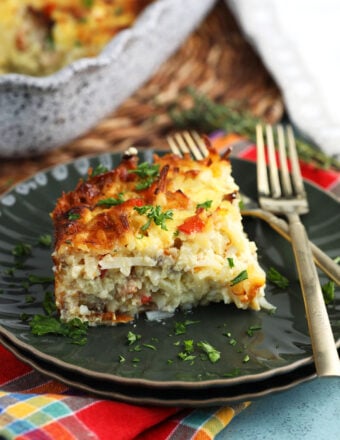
277,345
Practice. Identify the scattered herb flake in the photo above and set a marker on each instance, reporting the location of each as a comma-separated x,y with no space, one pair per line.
110,201
186,357
75,329
35,279
252,329
231,262
29,299
152,347
328,291
276,278
49,304
246,359
181,327
22,250
73,216
121,359
234,373
45,240
213,354
132,337
205,205
100,169
337,259
147,173
155,214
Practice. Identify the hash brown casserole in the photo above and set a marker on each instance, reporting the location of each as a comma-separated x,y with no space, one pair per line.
39,37
153,237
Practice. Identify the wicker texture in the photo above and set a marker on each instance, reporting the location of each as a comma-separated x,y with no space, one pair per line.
216,60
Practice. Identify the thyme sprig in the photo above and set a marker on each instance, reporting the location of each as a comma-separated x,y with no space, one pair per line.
206,116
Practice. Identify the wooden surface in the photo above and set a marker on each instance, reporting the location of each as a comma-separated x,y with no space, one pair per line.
216,60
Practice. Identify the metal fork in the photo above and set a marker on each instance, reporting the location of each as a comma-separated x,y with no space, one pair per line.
191,142
283,193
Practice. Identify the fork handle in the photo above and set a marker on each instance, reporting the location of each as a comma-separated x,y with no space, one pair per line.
324,349
325,263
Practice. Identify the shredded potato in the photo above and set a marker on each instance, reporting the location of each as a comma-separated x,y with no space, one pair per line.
38,37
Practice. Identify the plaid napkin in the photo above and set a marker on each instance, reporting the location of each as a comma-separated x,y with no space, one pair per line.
34,407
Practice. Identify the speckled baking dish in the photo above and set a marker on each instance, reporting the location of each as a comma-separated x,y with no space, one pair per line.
39,114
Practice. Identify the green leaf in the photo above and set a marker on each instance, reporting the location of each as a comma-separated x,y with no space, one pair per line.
45,240
213,354
155,214
147,174
22,250
74,329
205,205
100,169
276,278
328,291
110,201
240,277
132,337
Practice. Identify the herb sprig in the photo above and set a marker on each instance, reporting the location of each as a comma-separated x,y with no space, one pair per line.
155,214
147,174
207,116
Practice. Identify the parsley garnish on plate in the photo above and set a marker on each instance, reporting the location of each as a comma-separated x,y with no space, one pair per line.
75,329
328,291
213,354
276,278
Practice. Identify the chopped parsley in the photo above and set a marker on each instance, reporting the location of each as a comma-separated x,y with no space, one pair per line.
152,347
252,329
100,169
240,277
276,278
155,214
73,216
49,304
328,291
45,240
337,259
230,262
88,3
22,250
213,354
181,327
35,279
205,205
147,174
75,329
132,337
110,201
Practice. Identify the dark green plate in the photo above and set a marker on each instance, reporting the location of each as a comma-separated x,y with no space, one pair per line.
279,346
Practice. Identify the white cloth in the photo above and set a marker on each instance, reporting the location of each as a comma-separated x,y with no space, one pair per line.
299,42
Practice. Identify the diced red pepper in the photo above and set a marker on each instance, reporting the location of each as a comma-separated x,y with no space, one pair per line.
145,299
191,225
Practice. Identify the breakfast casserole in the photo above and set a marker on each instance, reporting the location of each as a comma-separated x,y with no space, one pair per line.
153,237
38,37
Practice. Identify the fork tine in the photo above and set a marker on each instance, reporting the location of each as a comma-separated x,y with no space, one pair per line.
192,145
285,178
273,170
262,178
173,146
296,172
181,143
200,143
